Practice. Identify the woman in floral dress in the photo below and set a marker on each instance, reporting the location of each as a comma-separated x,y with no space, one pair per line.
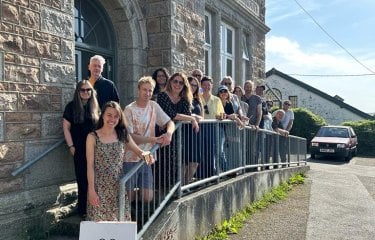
105,149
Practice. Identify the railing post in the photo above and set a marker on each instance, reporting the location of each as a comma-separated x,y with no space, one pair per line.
179,159
218,148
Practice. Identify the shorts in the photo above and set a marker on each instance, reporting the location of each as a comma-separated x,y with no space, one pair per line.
141,179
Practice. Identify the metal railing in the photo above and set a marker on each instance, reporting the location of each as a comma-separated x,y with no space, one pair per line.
28,164
192,161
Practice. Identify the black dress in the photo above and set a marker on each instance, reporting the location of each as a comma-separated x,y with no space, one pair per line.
79,132
167,167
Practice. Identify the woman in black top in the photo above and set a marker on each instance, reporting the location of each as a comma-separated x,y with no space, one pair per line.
176,101
160,77
79,119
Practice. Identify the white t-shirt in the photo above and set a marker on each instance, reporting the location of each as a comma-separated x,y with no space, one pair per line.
289,115
142,121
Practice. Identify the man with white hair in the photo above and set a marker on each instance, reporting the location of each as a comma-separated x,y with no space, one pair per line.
105,89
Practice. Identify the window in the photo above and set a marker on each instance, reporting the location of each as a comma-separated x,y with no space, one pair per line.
208,43
245,57
227,50
274,95
293,100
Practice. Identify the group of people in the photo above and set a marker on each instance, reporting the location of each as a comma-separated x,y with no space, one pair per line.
107,141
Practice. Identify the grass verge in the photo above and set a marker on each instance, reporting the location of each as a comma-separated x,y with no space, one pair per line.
236,222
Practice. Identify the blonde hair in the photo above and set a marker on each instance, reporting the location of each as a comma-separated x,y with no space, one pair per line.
146,79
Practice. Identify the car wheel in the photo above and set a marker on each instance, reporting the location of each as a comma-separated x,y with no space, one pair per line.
312,156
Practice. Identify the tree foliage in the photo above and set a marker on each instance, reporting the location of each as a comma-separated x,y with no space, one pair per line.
365,131
306,123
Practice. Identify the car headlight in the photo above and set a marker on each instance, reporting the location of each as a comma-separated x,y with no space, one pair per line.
315,144
341,145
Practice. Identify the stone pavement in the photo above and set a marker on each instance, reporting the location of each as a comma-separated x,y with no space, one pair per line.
336,202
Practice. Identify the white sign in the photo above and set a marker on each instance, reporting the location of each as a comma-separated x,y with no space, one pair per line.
108,230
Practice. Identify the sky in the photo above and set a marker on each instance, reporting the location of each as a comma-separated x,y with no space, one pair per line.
297,45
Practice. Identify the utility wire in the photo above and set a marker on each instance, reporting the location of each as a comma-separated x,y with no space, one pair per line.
334,40
331,75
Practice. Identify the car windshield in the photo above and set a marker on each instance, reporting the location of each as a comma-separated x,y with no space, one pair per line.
333,132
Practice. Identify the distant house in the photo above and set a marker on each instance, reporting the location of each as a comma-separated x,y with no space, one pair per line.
333,109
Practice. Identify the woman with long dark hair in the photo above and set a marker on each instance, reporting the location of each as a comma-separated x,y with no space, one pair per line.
79,119
105,151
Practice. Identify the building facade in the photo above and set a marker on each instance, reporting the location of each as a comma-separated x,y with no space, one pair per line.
333,109
45,47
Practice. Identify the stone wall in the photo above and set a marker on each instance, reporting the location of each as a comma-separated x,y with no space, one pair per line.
331,112
36,81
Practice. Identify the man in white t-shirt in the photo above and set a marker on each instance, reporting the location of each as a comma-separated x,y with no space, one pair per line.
287,124
142,116
288,119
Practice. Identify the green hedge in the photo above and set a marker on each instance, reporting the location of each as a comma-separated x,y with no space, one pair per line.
365,131
306,124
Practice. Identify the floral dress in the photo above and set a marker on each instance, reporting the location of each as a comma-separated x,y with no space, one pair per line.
108,161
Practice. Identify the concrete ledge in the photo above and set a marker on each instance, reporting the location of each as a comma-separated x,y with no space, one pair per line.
196,214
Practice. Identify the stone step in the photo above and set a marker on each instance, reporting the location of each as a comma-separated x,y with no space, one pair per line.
62,216
68,194
66,228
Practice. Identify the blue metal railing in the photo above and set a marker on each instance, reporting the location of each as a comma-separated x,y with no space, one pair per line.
223,151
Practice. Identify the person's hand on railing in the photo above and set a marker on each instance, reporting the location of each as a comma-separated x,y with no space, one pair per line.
148,157
195,125
93,198
165,139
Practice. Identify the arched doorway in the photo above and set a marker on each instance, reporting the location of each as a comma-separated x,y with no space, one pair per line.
93,35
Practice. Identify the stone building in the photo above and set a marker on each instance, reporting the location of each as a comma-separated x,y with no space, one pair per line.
45,47
333,109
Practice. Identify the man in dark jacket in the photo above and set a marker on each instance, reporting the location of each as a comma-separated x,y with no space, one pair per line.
105,89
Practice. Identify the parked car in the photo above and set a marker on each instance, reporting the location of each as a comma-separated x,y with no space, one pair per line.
340,141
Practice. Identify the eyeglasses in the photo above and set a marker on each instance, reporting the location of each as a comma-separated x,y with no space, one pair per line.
175,81
227,83
206,109
85,90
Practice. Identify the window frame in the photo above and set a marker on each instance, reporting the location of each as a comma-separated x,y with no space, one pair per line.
226,56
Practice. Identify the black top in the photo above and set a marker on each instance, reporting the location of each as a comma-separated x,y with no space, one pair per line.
197,108
228,108
106,91
170,108
79,131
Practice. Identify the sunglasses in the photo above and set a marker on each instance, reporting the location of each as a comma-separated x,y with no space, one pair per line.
175,81
85,90
206,109
287,104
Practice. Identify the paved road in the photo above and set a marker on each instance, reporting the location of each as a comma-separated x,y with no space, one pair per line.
337,202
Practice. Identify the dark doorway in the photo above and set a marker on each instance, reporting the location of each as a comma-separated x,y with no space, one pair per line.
93,35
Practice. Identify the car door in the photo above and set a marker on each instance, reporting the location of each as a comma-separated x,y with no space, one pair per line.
353,138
